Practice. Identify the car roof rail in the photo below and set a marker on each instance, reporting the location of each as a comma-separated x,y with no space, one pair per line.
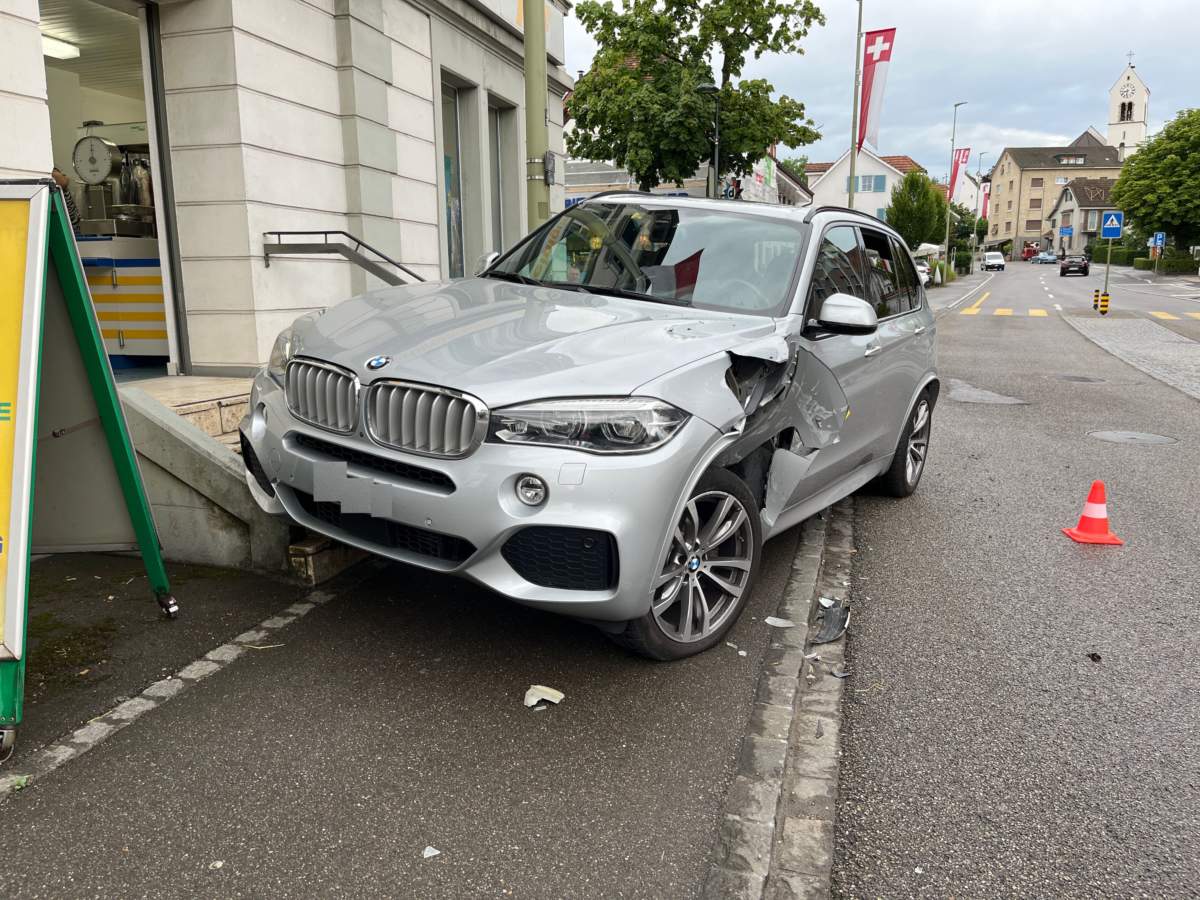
841,209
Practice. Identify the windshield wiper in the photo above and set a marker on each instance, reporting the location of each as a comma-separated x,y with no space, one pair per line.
512,276
638,295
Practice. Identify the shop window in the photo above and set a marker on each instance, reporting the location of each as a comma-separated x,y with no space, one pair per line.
452,172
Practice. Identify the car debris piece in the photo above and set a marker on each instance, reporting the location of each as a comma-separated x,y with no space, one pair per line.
812,656
741,653
840,673
776,622
1094,656
430,852
834,622
826,602
539,692
729,644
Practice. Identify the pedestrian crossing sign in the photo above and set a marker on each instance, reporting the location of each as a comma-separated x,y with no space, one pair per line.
1111,224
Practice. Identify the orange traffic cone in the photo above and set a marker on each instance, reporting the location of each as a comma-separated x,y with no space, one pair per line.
1093,524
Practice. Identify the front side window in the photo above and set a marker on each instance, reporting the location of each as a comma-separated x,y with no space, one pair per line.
837,269
884,283
910,285
668,254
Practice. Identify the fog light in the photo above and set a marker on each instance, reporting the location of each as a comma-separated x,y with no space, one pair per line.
531,490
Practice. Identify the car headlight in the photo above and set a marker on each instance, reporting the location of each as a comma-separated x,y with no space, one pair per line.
598,425
281,354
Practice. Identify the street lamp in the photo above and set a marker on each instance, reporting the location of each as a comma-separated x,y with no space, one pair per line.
714,91
950,187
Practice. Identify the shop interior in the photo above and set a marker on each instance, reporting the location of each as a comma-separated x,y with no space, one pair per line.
100,129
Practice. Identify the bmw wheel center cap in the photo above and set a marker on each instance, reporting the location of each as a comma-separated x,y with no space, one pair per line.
378,362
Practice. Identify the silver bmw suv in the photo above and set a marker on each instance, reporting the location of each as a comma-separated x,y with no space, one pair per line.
611,418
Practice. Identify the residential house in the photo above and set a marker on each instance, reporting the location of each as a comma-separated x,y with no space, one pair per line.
876,176
1078,208
767,182
1027,181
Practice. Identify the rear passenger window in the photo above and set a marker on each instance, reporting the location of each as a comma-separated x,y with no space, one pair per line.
884,284
837,268
910,284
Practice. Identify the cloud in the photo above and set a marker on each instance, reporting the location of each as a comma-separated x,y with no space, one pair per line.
1032,75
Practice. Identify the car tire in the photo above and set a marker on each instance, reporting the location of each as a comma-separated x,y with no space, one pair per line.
663,632
900,480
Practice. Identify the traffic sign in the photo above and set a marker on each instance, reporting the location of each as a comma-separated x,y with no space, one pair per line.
1066,231
1111,223
1160,239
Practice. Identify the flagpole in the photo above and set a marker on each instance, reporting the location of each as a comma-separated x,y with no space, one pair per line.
854,105
950,189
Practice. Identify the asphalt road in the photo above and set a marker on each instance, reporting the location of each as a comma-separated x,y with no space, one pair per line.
389,720
987,753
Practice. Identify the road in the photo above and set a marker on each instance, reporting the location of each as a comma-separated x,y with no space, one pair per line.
1023,716
391,719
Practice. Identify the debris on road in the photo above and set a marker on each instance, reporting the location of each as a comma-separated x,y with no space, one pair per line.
840,673
741,653
539,692
826,602
430,852
216,864
776,622
1094,656
833,624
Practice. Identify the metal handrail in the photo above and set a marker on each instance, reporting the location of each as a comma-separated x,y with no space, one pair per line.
353,253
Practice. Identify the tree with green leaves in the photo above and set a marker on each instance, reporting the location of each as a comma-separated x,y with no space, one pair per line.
918,210
796,166
639,106
1159,186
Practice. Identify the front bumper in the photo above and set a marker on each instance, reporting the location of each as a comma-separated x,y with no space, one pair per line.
457,515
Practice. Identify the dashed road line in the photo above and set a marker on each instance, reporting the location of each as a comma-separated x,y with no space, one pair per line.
1164,315
104,726
1002,311
1038,313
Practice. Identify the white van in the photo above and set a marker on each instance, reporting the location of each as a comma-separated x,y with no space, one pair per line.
993,260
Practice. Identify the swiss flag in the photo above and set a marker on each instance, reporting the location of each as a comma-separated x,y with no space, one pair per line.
877,53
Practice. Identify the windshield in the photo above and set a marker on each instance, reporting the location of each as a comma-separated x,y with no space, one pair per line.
710,259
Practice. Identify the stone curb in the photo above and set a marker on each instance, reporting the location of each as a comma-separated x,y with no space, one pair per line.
747,833
99,729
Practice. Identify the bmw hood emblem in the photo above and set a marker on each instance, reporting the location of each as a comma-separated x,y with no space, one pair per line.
378,362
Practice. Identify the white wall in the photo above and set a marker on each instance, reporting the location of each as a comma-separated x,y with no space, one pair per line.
24,118
830,190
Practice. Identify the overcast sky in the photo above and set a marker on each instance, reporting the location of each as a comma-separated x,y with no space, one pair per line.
1034,73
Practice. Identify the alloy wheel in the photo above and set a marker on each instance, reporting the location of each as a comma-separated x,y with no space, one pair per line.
918,443
707,567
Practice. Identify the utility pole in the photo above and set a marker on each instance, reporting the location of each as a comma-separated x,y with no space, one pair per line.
537,132
854,105
714,189
950,187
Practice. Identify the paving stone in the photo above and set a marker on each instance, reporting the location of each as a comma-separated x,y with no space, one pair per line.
754,799
723,884
744,846
806,847
1157,351
762,758
797,887
811,798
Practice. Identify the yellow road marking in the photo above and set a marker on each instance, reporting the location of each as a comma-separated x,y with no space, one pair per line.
969,311
1192,315
1002,312
978,303
124,315
1163,315
1037,312
134,334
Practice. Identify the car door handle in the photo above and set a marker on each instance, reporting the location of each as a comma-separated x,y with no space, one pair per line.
873,349
920,329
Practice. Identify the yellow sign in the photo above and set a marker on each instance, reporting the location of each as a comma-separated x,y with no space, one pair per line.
14,236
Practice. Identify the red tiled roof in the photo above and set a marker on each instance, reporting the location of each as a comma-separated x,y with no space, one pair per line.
939,187
904,164
817,168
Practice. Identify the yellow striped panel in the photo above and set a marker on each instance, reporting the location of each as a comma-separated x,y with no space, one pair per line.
969,311
124,315
1163,315
106,280
134,334
1002,311
1037,313
1192,315
127,298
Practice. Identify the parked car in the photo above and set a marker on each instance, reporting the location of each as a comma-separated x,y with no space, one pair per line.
610,419
1046,257
993,260
1074,263
1028,253
922,270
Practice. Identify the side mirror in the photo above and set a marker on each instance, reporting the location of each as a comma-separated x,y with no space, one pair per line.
844,314
485,262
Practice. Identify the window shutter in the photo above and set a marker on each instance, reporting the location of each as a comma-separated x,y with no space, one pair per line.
847,184
879,184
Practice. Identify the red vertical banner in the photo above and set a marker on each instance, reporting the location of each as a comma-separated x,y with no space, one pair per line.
987,196
877,53
961,155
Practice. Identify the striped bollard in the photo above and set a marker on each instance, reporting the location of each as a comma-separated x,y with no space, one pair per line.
1096,298
1104,304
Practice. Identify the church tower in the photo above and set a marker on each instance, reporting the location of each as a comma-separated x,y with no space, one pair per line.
1128,112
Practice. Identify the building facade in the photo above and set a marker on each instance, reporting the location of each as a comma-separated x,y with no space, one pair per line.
1128,113
400,122
876,175
1078,209
768,182
1026,183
